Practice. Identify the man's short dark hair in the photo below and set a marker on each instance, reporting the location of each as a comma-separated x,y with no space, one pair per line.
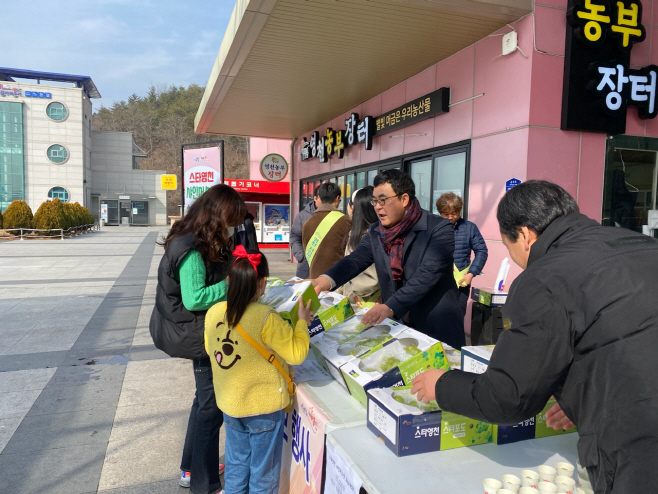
316,192
533,204
400,182
328,192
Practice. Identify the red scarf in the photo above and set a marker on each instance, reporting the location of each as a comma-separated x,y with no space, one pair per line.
393,238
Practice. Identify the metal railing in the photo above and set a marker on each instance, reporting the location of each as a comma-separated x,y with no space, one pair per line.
40,233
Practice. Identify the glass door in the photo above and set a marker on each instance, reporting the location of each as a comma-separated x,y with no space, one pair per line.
630,183
140,213
450,176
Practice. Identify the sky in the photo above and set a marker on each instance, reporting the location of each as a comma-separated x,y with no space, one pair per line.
125,46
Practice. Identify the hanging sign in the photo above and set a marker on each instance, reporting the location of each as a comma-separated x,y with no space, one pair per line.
599,84
201,170
358,131
274,167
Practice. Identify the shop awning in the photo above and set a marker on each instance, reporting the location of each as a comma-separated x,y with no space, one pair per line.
288,66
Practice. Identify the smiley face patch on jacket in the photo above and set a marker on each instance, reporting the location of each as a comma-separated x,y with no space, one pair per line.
228,356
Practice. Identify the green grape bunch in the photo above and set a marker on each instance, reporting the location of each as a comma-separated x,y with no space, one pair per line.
404,396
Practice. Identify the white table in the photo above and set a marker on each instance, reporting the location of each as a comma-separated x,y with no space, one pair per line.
453,471
334,400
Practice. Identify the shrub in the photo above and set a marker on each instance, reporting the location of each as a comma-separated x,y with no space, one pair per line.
89,218
70,216
18,215
0,219
82,215
50,215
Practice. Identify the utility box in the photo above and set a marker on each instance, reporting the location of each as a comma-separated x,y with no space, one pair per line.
486,324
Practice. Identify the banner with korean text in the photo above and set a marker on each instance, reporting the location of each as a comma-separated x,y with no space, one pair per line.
201,170
303,447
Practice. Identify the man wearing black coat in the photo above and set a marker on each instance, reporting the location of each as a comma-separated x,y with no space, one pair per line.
413,254
582,325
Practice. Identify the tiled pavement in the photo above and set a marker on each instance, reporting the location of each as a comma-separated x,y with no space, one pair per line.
87,404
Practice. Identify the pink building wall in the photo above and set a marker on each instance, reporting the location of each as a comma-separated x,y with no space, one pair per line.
510,109
259,148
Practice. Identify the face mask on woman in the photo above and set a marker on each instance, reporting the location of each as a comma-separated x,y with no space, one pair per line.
231,230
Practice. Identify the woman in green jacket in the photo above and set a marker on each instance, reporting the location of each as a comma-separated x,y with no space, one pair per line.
191,279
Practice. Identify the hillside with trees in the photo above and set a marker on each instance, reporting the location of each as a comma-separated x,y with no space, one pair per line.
163,120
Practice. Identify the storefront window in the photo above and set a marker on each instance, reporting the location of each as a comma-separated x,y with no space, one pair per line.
340,181
449,176
349,183
630,183
304,195
360,180
433,172
371,177
421,174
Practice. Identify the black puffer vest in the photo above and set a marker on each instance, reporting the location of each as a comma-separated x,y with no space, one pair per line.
175,330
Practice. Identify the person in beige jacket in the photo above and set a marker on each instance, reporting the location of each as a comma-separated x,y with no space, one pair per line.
324,234
360,210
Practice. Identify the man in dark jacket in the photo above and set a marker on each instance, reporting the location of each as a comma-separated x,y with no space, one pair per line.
325,234
413,254
296,244
582,325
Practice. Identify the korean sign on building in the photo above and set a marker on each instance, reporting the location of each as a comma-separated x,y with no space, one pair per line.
361,131
201,170
17,93
274,167
168,182
258,186
599,84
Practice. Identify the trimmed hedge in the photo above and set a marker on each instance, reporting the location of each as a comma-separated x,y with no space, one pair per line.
17,215
78,215
56,214
50,215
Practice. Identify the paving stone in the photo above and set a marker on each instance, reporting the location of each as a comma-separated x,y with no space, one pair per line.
62,430
7,429
164,487
17,403
90,396
25,379
69,470
84,374
31,361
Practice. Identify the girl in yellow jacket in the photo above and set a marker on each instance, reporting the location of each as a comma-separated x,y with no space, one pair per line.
250,390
